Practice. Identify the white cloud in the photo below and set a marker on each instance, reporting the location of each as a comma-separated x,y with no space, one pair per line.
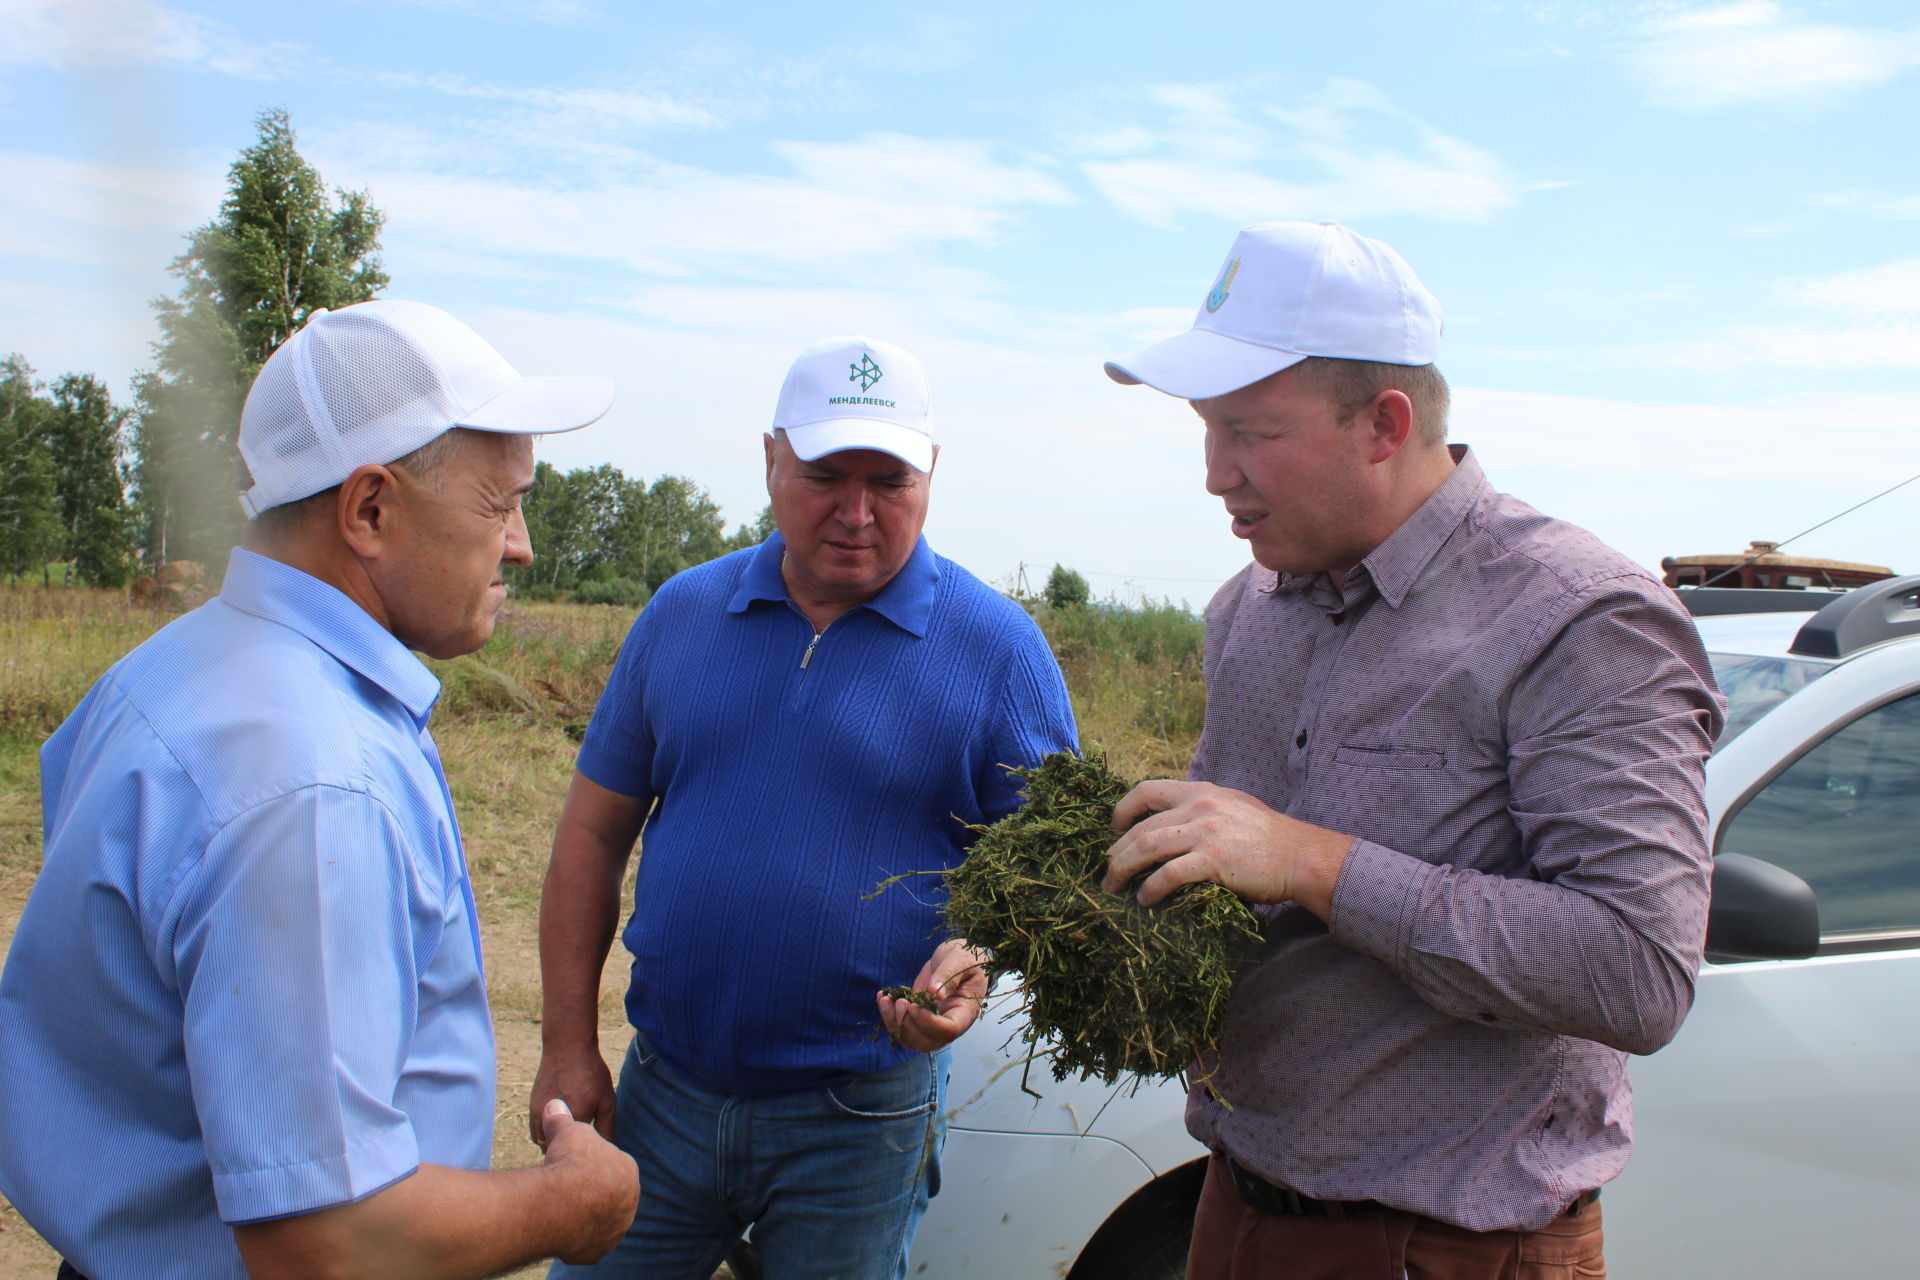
1856,321
884,198
99,215
1755,51
1889,290
620,110
1679,479
1347,153
74,35
556,12
1870,203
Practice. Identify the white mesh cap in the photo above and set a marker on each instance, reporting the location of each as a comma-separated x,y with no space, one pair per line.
857,393
377,380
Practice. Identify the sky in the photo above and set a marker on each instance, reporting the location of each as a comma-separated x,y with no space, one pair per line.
1675,243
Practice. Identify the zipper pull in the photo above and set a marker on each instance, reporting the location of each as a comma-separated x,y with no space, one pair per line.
807,657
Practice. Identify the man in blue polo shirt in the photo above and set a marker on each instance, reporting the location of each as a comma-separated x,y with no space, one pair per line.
792,724
243,1024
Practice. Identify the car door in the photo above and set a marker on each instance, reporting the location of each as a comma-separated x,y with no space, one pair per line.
1779,1135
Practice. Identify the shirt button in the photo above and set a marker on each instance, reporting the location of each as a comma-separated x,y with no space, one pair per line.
1300,741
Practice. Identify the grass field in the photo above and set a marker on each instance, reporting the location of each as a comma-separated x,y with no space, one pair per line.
507,726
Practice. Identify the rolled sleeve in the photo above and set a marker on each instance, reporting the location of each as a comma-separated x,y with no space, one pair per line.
296,949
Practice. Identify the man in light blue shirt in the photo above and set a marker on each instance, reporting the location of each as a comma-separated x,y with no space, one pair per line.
248,978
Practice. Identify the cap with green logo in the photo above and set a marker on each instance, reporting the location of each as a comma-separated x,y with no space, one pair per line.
1289,290
857,393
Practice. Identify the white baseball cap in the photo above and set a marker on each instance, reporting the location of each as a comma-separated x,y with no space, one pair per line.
377,380
856,393
1289,290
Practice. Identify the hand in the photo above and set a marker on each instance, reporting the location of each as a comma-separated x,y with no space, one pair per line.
605,1187
578,1077
1198,832
956,975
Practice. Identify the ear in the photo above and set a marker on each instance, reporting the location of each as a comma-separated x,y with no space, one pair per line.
1388,423
934,463
365,510
767,442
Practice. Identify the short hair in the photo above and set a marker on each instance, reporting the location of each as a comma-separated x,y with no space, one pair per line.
275,524
1352,385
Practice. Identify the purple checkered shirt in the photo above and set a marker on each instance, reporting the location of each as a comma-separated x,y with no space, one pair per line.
1512,719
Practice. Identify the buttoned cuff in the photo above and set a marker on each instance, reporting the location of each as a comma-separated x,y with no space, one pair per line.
1375,900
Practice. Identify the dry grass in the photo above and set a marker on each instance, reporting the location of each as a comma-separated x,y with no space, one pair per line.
508,725
54,644
1134,676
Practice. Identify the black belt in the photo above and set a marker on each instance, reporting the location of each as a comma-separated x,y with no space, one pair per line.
1265,1197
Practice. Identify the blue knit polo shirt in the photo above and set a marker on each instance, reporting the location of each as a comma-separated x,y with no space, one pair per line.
795,774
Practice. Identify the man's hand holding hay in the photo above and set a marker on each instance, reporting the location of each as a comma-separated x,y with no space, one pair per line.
955,978
1196,831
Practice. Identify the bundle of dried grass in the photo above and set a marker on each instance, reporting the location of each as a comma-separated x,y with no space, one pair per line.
1111,988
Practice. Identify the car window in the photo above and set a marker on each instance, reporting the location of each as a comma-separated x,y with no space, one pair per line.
1845,817
1755,685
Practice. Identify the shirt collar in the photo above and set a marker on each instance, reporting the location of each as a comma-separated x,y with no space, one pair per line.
906,601
280,593
1397,563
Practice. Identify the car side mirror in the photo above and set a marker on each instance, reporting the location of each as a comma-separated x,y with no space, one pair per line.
1760,912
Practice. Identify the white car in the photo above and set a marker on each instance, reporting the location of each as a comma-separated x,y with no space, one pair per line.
1778,1136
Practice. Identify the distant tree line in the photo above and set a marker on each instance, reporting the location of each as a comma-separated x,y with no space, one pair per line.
607,538
63,479
111,491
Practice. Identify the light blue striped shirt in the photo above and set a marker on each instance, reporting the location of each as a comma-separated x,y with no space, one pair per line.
247,983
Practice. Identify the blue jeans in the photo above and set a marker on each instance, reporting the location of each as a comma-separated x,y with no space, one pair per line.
833,1180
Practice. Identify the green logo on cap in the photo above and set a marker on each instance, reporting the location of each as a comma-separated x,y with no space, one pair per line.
1218,298
866,373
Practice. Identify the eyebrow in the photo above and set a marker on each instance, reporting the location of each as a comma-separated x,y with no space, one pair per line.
896,476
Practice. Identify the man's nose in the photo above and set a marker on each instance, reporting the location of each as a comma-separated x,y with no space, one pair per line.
1223,474
856,507
519,542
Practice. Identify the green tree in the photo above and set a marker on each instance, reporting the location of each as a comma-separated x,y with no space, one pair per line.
1066,589
665,527
572,518
87,447
279,250
598,525
29,517
752,535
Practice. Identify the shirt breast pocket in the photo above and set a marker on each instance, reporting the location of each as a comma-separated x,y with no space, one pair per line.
1394,758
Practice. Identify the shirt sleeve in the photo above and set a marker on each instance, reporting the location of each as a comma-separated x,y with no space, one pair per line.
1034,718
617,750
295,952
1608,735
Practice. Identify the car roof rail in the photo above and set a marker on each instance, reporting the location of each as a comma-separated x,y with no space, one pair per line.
1866,615
1710,602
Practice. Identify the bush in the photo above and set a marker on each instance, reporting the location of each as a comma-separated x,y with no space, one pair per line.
621,591
1066,589
537,593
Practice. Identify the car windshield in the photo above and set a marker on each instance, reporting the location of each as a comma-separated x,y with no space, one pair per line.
1754,685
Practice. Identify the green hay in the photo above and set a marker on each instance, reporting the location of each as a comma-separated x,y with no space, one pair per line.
1110,988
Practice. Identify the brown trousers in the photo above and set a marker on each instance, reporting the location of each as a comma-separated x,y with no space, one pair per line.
1234,1242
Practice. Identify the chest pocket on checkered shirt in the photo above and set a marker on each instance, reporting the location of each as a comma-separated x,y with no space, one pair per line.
1367,757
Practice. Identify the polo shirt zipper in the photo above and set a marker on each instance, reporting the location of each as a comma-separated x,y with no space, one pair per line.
812,644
